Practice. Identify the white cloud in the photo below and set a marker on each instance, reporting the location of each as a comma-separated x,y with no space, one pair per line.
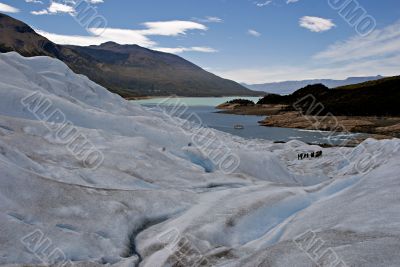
316,24
34,1
213,19
56,8
209,19
128,36
121,36
171,28
8,9
67,7
292,1
254,33
60,8
262,4
178,50
139,37
40,12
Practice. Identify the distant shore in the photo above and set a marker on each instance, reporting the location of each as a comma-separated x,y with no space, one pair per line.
143,97
176,96
277,116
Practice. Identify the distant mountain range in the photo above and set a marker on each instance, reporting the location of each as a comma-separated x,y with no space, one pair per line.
288,87
128,70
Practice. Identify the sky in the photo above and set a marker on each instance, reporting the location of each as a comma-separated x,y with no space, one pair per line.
251,41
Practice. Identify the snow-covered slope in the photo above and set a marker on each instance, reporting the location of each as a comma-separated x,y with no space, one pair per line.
156,199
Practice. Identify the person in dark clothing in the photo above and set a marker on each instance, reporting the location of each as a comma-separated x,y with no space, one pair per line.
302,156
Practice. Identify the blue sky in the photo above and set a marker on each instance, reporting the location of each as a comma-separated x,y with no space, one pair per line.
249,41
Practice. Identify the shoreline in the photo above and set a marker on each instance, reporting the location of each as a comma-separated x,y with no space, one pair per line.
372,126
177,96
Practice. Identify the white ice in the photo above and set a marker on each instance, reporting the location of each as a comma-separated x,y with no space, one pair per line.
153,189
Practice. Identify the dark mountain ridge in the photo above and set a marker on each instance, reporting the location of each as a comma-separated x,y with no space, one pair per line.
373,98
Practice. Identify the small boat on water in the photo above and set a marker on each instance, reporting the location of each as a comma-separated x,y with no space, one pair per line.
238,127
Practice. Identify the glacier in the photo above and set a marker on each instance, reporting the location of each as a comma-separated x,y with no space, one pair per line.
156,200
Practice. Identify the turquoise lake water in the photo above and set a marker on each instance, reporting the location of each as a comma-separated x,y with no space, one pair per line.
205,109
193,101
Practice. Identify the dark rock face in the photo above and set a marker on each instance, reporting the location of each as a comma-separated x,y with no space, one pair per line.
24,29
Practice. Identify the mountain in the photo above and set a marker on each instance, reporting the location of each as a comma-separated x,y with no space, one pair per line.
372,98
288,87
128,70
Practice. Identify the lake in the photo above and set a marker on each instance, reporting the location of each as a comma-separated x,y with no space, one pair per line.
204,107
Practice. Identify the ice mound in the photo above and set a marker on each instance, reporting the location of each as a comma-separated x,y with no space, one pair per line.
158,199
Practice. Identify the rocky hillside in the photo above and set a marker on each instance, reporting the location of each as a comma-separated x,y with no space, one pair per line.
128,70
373,98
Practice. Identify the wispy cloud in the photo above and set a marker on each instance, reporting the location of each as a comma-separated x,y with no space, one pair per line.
34,1
254,33
386,67
209,19
140,37
316,24
136,36
171,28
121,36
8,9
178,50
380,43
262,4
378,53
292,1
